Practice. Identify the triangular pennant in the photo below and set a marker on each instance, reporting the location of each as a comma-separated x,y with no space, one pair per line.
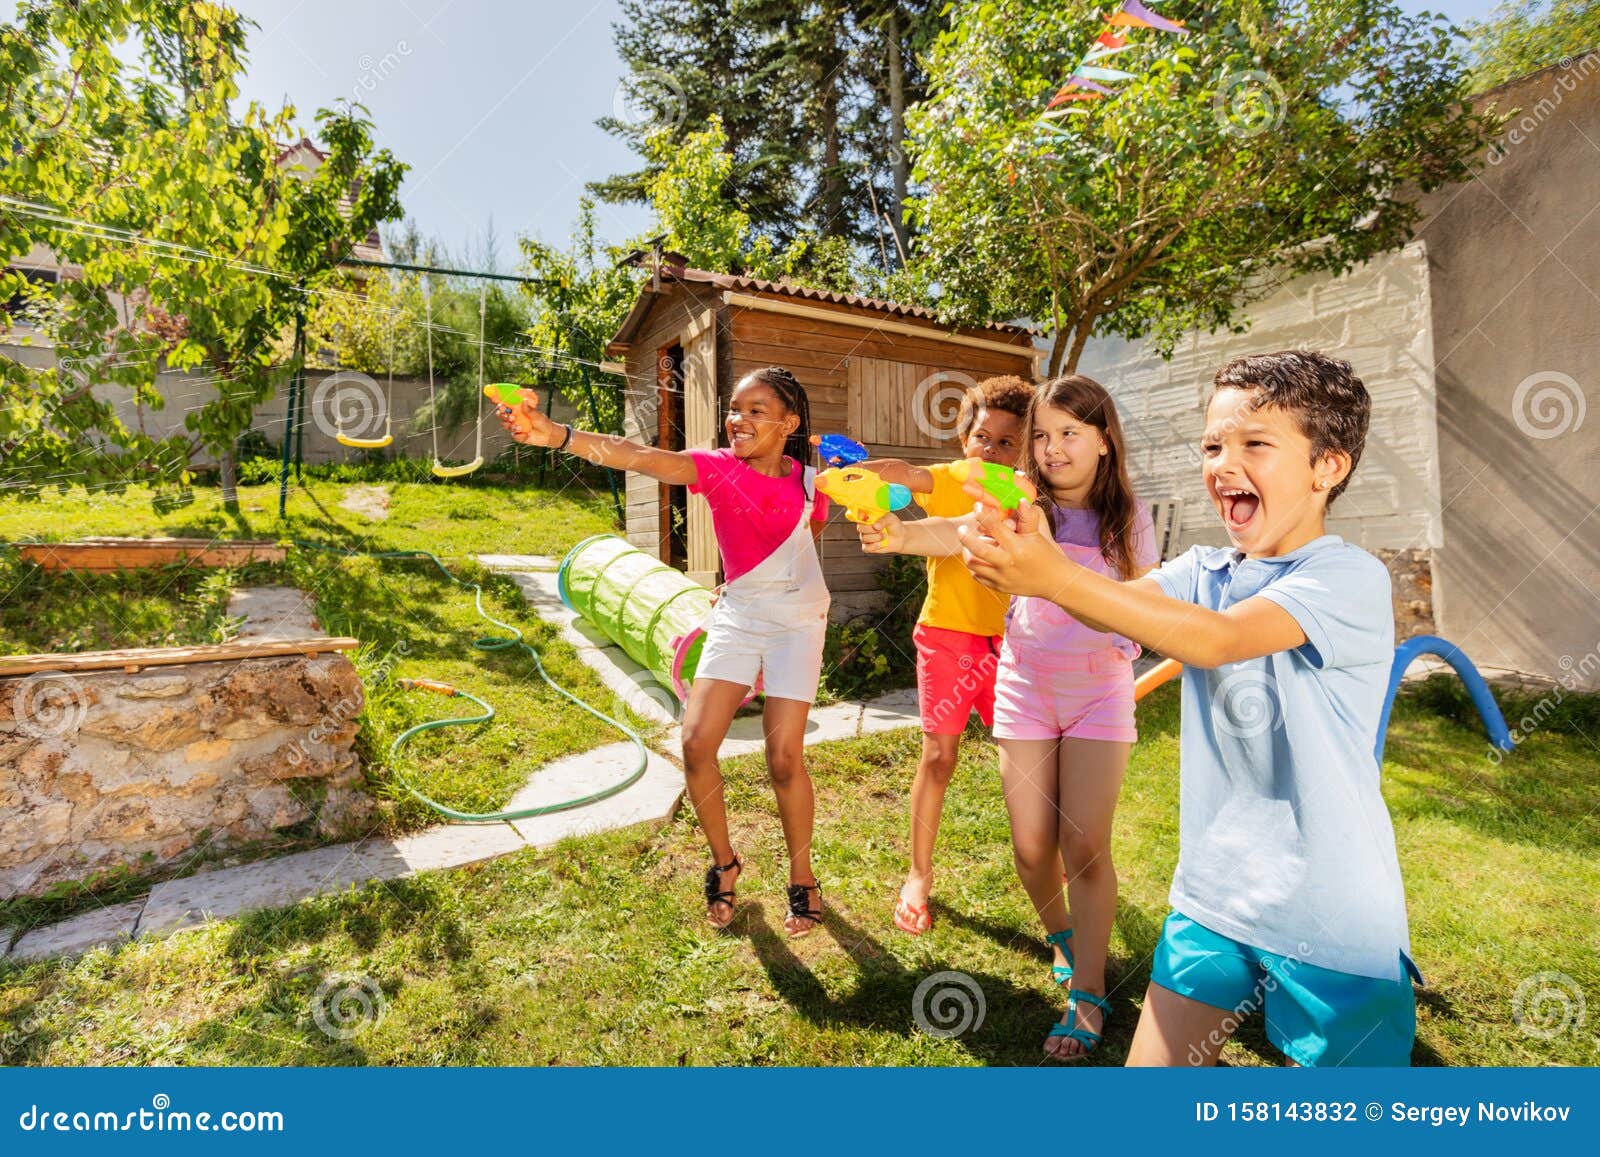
1133,14
1112,40
1082,81
1093,73
1100,50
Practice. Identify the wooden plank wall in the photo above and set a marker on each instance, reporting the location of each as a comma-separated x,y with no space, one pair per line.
861,382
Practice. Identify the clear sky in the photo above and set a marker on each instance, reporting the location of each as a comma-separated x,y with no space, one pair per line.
492,104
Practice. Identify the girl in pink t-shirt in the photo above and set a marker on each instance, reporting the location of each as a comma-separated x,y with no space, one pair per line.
1063,711
769,621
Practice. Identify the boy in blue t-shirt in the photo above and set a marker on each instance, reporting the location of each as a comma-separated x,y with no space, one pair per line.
1287,895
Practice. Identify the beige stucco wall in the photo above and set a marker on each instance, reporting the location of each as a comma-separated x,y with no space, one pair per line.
1514,261
1376,317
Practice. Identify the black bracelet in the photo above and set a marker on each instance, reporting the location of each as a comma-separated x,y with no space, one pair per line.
565,440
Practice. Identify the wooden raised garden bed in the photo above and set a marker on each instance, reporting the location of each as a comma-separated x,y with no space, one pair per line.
111,554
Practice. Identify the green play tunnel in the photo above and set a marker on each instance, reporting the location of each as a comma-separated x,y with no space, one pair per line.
653,612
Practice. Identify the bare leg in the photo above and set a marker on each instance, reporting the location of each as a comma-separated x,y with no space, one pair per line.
1028,778
1175,1030
712,705
784,722
937,765
1090,776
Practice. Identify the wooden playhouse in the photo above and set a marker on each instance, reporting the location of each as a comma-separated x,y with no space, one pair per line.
887,374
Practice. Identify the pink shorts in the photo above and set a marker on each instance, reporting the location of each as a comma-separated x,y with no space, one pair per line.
955,677
1086,696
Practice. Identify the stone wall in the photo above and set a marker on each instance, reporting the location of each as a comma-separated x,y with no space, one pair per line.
108,768
1412,574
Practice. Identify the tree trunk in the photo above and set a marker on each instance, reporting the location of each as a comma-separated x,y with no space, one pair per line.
1069,345
899,163
229,471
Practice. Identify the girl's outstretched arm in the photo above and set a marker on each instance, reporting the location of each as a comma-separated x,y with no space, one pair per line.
532,427
933,537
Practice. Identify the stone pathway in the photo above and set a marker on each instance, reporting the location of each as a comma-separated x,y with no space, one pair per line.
229,892
273,613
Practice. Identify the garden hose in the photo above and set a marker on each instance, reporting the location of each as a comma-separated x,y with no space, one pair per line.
486,643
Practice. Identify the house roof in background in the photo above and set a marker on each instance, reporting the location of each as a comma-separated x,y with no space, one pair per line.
736,282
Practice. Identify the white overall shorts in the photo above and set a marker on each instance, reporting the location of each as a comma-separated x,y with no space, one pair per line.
773,620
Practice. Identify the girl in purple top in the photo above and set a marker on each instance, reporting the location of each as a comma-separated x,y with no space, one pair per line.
769,621
1063,712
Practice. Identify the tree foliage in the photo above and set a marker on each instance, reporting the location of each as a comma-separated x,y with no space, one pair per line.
811,97
1519,38
1278,137
192,246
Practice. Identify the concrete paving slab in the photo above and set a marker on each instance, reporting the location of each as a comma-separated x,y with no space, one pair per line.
504,562
79,934
891,712
273,613
285,880
654,796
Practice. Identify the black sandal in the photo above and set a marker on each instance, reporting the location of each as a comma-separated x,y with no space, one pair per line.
799,906
714,893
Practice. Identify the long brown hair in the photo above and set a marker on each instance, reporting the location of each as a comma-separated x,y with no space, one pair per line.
1111,495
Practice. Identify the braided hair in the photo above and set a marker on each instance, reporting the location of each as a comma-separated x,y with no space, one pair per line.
793,395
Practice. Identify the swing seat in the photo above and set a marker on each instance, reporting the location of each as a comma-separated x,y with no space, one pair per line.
440,470
364,443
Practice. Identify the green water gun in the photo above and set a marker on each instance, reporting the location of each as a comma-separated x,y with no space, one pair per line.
994,485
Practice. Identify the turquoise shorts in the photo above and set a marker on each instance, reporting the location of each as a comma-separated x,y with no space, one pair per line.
1315,1015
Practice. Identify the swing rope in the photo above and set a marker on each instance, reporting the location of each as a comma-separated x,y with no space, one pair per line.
440,470
388,409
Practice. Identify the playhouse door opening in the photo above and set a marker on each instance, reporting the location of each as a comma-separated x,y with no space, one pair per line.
674,500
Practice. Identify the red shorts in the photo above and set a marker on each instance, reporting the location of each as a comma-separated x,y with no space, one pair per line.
955,676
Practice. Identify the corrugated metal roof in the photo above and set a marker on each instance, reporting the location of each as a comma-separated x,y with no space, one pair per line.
669,272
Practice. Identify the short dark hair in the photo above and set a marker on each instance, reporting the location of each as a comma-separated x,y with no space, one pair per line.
1326,398
1007,394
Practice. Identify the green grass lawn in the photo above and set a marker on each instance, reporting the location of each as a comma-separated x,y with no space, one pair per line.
595,952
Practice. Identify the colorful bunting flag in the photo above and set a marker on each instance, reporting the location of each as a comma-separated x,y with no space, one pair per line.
1093,73
1133,14
1112,40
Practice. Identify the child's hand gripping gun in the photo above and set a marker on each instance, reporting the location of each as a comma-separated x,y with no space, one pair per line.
837,450
996,486
509,397
864,495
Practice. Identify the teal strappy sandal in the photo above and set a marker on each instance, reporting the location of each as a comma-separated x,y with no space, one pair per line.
1061,972
1069,1027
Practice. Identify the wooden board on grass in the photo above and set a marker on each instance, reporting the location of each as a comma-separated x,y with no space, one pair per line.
136,659
111,554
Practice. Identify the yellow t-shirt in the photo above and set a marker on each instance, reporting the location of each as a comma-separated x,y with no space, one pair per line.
956,601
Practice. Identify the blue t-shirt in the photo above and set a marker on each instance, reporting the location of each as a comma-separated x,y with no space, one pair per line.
1285,843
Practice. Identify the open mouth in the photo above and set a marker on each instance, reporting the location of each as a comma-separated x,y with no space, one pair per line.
1239,506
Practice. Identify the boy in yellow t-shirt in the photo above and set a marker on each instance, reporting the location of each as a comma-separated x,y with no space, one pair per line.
958,632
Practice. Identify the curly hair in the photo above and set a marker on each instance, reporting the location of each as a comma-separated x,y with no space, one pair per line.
1329,403
1008,394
